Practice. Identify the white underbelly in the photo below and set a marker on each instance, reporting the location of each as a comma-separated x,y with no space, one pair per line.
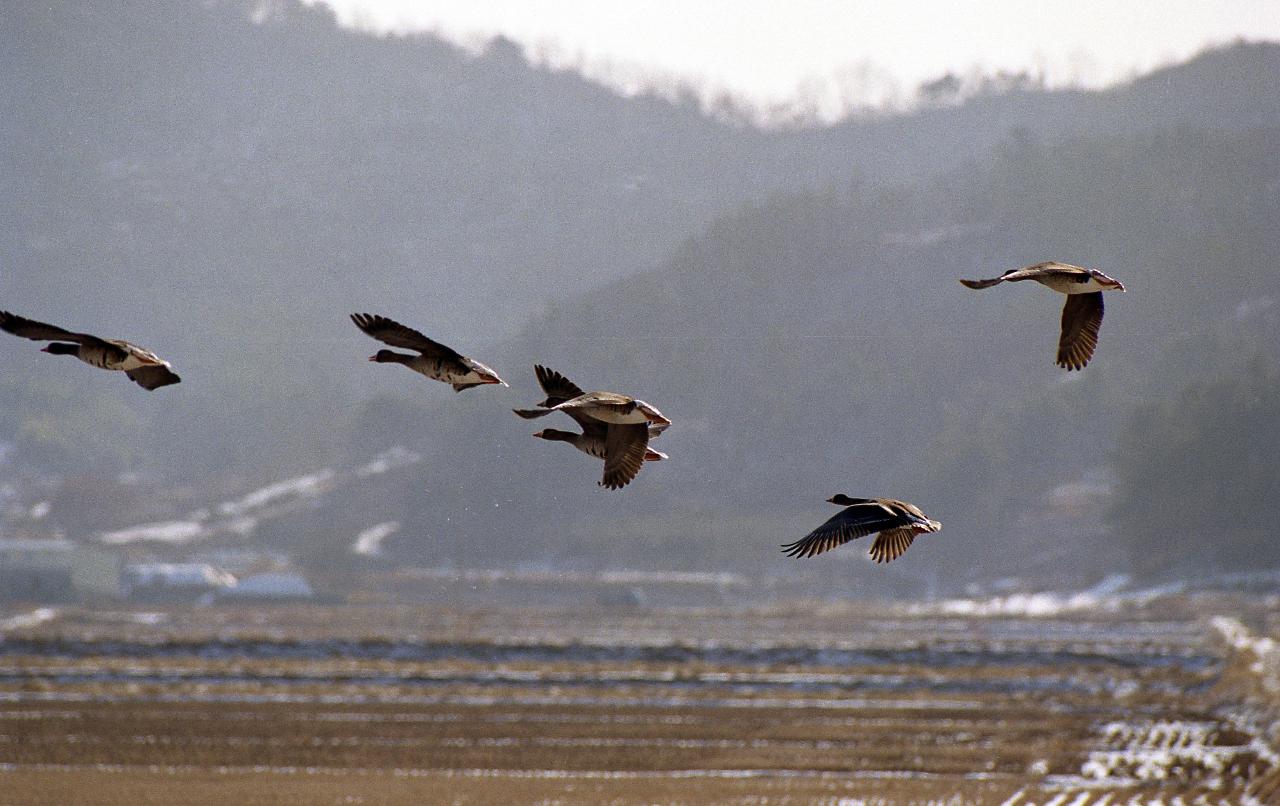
1070,285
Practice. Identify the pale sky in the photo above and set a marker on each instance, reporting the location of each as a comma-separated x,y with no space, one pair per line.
775,51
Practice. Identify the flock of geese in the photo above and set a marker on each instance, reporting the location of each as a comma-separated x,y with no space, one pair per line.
618,428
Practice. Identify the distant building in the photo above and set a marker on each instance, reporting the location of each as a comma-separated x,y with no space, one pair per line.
58,570
176,582
275,586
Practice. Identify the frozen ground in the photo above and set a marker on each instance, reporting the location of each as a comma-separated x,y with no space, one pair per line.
1161,700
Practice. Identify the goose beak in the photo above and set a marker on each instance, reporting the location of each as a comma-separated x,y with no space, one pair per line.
538,434
373,358
46,349
655,418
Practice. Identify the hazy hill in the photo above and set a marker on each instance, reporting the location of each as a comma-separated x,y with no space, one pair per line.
820,343
229,189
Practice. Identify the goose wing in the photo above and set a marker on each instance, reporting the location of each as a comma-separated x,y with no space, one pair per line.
389,331
40,331
851,523
890,543
530,414
1027,273
153,377
559,390
558,387
1081,319
624,450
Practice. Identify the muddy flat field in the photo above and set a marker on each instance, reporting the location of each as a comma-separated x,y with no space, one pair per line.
1169,701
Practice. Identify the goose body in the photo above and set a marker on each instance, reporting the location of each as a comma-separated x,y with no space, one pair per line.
434,360
142,366
895,524
1082,313
593,443
607,407
615,428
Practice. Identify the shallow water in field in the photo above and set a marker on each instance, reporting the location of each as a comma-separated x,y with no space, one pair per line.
809,702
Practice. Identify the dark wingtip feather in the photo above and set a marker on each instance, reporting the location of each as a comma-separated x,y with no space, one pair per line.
530,414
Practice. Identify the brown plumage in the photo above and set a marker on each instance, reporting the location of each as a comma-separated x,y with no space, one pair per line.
897,523
142,366
1082,314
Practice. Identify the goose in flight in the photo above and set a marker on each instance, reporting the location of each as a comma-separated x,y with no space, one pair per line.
143,367
436,361
592,439
615,428
897,523
1081,316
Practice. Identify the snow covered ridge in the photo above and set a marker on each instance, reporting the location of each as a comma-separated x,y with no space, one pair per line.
240,517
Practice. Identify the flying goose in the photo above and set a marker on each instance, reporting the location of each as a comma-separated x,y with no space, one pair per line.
897,522
591,441
436,361
1081,316
615,427
143,367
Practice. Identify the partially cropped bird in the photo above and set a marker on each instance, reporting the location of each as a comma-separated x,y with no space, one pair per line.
1081,316
897,522
143,367
436,361
615,427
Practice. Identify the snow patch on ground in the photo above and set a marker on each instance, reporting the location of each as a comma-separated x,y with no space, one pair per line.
369,542
390,459
1265,650
174,532
24,621
1103,596
299,487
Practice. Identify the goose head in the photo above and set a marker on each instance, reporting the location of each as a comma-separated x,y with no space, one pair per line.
1107,283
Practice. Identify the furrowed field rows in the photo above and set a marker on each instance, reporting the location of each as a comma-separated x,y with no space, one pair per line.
1098,709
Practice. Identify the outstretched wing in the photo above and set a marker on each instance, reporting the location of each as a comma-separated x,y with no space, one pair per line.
558,387
1081,319
982,283
153,377
890,543
389,331
624,451
40,331
1027,273
530,414
852,523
